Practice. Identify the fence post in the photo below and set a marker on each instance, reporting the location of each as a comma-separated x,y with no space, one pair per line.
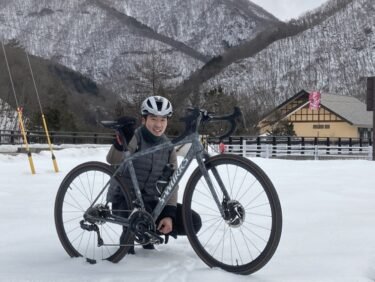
328,144
303,146
12,137
360,144
95,138
339,144
289,145
258,147
243,147
274,146
316,152
52,137
350,145
370,148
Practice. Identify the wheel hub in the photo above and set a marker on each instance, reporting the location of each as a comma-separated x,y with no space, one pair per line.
96,213
234,213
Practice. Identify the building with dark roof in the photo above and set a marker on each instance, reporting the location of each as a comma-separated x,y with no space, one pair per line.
337,116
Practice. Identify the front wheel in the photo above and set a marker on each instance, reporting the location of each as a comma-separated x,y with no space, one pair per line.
245,236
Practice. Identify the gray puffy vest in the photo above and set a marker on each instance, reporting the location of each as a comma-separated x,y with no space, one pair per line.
148,168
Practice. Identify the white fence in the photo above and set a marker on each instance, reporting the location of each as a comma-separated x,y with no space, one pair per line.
315,152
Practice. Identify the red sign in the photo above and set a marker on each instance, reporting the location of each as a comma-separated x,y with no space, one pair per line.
314,99
221,148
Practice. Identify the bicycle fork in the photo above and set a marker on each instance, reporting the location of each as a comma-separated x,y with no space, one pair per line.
232,211
226,197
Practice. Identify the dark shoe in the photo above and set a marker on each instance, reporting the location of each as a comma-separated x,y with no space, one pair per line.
149,247
131,250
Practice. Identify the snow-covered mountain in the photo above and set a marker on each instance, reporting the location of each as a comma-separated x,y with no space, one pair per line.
332,57
106,39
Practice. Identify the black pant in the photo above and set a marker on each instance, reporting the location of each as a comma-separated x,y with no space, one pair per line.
178,226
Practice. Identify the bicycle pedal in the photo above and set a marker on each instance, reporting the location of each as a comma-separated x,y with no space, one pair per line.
154,238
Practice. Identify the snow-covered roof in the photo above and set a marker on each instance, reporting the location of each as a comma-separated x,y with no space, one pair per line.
349,108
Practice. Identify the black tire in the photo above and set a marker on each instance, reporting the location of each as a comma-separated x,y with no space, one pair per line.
76,193
241,248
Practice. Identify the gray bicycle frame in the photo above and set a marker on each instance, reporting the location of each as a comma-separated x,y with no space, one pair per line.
196,151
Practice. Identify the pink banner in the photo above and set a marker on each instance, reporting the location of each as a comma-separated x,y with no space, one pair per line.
314,99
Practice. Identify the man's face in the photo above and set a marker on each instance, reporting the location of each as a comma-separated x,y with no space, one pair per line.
156,124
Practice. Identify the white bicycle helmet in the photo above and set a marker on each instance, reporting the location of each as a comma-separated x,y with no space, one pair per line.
157,106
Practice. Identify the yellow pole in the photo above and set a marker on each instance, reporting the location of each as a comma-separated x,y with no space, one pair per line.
43,118
49,144
31,163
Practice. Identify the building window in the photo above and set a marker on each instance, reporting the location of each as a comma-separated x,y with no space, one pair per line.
321,126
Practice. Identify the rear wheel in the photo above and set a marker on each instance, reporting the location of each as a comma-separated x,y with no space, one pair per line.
78,235
246,238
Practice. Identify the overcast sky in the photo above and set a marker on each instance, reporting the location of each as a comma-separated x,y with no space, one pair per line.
287,9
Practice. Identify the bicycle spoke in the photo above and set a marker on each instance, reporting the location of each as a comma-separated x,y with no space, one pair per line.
204,194
252,243
247,246
204,245
73,206
258,206
207,207
261,238
241,185
76,188
228,175
223,241
92,186
89,186
259,214
72,219
84,189
215,218
74,229
247,190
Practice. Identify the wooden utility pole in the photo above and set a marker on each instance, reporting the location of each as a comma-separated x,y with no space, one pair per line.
370,101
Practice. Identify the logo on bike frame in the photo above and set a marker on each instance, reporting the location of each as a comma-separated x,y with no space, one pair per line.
174,179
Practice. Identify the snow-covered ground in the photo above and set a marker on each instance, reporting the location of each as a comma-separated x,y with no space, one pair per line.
328,233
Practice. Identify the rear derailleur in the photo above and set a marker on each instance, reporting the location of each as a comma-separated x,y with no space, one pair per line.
94,216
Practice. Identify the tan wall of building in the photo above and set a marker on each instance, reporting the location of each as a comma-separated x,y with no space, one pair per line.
336,129
318,123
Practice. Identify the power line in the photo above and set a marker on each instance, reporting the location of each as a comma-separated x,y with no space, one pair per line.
19,111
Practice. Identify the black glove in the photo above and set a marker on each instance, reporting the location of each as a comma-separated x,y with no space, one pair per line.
126,130
128,127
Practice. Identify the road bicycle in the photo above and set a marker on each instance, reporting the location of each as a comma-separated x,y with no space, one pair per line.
239,207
